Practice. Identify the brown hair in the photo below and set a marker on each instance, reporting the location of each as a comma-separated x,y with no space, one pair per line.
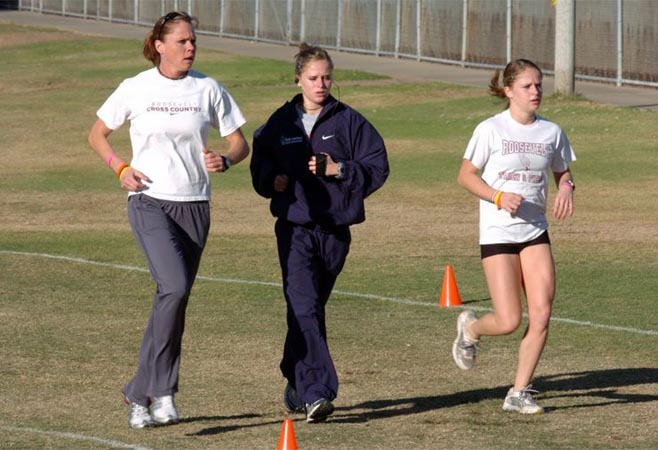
162,27
511,72
308,53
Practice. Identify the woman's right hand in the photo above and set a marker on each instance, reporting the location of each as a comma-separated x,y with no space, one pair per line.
281,183
510,202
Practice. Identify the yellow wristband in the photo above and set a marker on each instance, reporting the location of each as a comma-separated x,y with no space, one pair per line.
120,168
123,170
497,198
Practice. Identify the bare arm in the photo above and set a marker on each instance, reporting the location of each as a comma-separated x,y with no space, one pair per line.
563,206
238,149
130,179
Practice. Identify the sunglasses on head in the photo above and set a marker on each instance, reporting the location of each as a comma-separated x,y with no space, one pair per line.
171,16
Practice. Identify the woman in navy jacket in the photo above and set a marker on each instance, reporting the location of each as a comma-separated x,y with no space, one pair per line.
317,159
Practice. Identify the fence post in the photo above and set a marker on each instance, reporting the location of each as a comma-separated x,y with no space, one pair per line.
620,41
256,19
398,24
378,41
339,24
222,20
464,31
302,18
565,29
418,30
508,34
289,21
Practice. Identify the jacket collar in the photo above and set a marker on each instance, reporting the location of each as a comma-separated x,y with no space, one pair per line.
329,104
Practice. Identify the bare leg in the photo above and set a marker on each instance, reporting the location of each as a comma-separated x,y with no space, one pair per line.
504,278
539,283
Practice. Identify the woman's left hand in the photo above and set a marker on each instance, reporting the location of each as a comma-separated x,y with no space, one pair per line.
214,161
563,207
331,169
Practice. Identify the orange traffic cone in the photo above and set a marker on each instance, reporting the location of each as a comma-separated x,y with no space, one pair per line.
287,440
449,291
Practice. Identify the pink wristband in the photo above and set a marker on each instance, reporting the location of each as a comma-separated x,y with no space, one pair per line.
569,183
109,160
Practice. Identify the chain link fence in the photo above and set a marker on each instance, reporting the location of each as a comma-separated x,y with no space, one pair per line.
616,40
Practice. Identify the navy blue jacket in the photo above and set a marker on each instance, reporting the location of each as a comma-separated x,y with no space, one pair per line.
281,146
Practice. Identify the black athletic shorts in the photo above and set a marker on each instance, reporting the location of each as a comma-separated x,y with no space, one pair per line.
512,249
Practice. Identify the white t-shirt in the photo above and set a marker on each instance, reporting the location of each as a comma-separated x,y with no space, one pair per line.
517,158
169,124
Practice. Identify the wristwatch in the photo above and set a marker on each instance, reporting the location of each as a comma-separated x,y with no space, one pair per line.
227,163
341,170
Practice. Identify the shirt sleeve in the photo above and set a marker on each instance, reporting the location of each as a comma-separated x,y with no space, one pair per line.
563,155
227,116
479,147
115,111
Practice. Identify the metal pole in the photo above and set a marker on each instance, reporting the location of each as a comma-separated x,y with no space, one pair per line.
256,19
136,11
565,50
464,31
222,13
378,41
398,19
289,21
302,27
508,39
339,25
418,30
620,41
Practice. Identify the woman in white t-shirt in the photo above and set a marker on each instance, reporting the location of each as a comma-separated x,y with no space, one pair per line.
507,165
171,109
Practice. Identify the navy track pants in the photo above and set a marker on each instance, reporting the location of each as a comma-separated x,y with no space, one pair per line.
311,259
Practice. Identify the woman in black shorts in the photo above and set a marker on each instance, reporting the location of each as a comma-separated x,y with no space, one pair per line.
507,165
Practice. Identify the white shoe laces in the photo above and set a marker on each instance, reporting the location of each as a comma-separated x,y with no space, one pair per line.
526,394
138,410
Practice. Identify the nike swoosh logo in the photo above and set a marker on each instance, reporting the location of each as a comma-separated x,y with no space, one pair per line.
324,138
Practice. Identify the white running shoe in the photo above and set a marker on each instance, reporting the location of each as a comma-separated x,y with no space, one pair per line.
319,410
463,349
139,416
164,411
522,401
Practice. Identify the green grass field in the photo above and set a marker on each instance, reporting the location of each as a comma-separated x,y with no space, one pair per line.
74,292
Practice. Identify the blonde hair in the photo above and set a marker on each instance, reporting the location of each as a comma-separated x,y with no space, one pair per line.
308,53
162,27
511,72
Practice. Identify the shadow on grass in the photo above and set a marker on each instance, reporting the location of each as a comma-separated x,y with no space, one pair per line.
476,300
586,385
581,386
226,428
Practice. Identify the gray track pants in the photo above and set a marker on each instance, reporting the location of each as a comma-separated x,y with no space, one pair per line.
172,236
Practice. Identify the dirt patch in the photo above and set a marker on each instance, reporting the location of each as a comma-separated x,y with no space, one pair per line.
30,36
